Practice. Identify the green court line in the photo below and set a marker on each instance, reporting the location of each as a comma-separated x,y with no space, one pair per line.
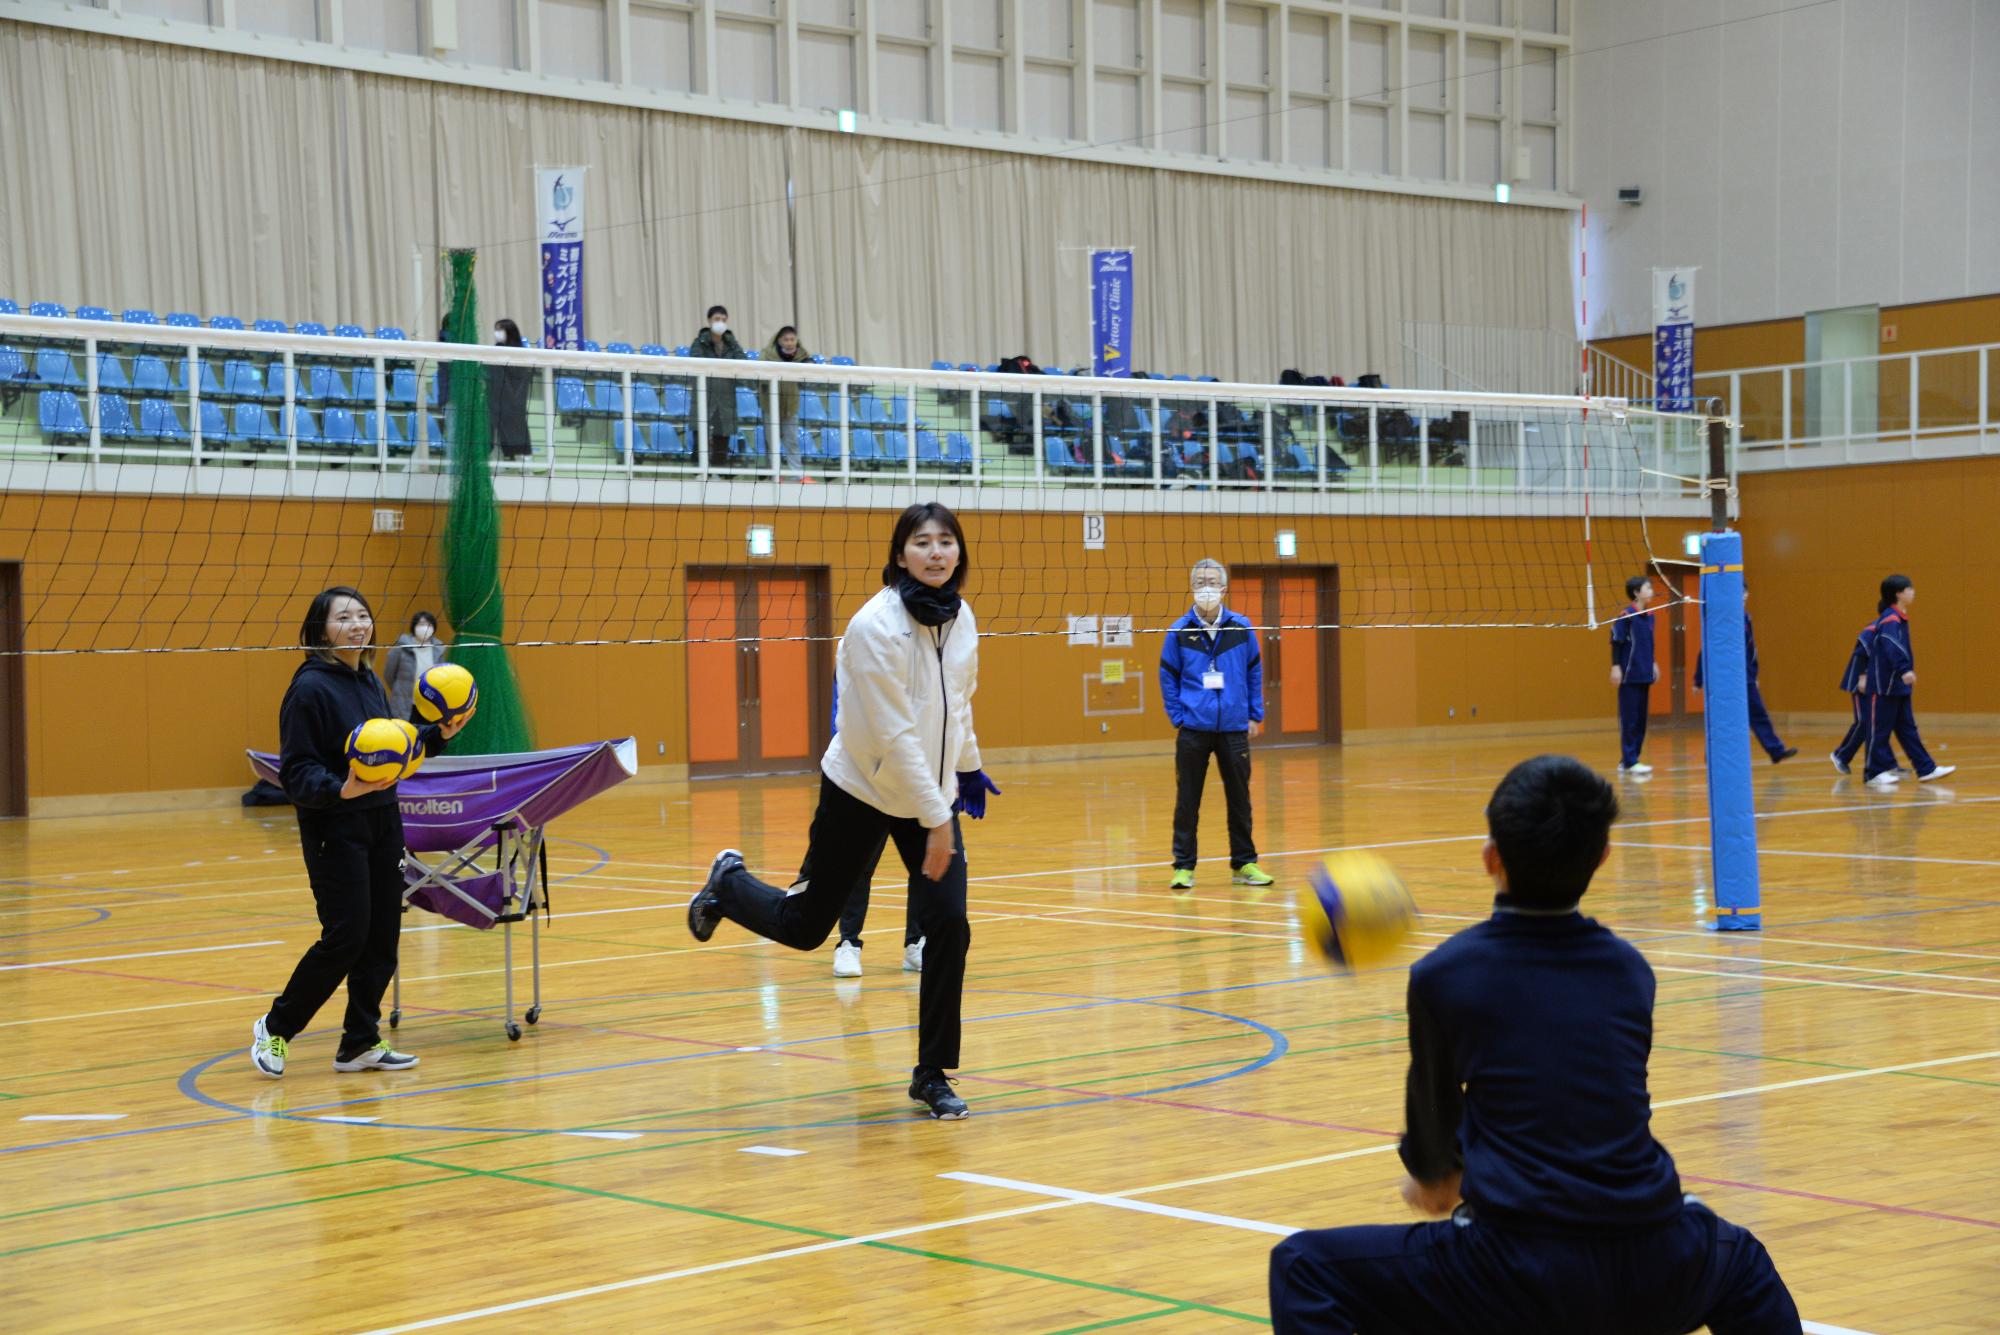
1178,1304
1120,1321
230,1214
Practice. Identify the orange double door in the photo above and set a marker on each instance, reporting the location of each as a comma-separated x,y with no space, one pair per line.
1295,610
760,669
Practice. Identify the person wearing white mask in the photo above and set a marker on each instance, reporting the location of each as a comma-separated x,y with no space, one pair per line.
507,397
718,340
1212,682
414,653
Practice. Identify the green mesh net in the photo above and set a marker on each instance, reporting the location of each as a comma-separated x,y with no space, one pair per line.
472,596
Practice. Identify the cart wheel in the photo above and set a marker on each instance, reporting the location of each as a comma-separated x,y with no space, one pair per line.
395,1018
534,1014
513,1032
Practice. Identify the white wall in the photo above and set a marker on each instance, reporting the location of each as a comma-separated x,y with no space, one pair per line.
1843,153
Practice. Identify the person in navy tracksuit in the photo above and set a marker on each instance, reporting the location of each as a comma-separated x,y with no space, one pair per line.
1760,717
1528,1128
1854,681
1633,673
1892,677
1212,682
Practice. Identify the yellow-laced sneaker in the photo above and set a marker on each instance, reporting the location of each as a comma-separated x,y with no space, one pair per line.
1249,874
1183,879
267,1050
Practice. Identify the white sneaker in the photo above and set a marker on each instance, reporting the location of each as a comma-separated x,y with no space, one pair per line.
267,1053
1838,763
847,960
1641,767
381,1057
1937,773
913,956
1886,780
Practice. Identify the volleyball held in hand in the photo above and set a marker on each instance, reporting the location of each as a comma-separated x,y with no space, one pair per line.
382,748
445,693
416,747
1355,911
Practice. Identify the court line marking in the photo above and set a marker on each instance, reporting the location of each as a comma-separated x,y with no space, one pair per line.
1806,853
1203,1217
143,955
1837,968
775,1151
75,1117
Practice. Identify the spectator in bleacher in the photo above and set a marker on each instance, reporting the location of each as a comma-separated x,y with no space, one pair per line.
786,347
719,341
415,652
507,397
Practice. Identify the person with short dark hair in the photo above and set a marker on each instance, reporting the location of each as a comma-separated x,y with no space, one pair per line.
903,764
351,832
1892,680
718,340
1527,1112
1633,672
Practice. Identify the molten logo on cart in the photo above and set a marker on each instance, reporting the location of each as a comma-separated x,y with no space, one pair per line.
431,806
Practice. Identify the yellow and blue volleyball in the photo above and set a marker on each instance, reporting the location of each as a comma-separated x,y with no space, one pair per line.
1355,911
445,692
382,748
416,747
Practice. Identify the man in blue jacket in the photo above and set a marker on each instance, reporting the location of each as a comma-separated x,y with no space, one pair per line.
1212,680
1528,1117
1633,672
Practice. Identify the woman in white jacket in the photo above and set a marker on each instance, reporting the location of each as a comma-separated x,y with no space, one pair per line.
903,763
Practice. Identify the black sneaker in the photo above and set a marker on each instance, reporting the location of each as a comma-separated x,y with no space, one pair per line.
1779,757
932,1087
705,909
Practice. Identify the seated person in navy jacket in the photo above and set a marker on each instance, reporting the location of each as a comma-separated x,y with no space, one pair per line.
1528,1118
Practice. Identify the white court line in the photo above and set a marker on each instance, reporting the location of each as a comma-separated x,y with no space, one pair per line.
775,1151
604,1135
74,1117
1126,1203
1825,1079
353,1121
1827,982
1836,968
1203,1217
143,955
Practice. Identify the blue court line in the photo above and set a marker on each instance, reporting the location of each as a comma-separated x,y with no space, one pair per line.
102,914
116,1135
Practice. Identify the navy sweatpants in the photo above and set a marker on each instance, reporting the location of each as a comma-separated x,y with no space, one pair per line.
1760,723
1461,1277
1632,702
1895,716
1857,732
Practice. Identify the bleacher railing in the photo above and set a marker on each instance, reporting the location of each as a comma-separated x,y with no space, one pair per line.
78,397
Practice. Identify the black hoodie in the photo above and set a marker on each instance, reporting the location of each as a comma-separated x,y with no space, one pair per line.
326,701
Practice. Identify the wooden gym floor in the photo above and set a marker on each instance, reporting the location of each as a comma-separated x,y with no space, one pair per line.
717,1139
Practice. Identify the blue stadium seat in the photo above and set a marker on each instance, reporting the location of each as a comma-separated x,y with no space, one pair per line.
748,446
607,399
211,388
812,409
958,449
308,426
337,425
114,418
361,386
8,306
937,365
929,452
249,424
748,407
867,410
183,320
896,448
676,401
967,366
433,431
364,431
60,415
13,366
323,384
899,411
863,448
141,317
111,374
214,426
1055,453
391,333
812,443
271,327
48,310
588,346
399,440
818,360
680,350
572,400
652,350
621,347
349,331
53,368
159,421
312,328
753,354
841,361
150,375
668,443
274,382
646,400
224,322
95,313
403,387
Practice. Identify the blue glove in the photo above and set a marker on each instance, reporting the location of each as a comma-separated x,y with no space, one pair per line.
973,786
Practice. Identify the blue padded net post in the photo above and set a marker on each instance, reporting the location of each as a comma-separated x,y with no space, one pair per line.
1732,816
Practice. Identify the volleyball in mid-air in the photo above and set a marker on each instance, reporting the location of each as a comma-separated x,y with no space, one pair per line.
1355,910
445,693
382,748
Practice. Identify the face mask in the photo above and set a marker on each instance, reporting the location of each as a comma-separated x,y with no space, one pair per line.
1208,598
719,328
424,629
499,338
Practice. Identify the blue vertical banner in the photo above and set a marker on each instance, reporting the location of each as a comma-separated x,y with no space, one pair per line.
1111,312
1732,814
1673,340
559,224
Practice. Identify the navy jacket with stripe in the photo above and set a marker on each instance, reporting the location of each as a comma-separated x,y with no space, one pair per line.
1854,679
1632,646
1891,655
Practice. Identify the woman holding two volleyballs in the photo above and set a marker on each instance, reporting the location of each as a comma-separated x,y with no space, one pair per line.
903,763
352,832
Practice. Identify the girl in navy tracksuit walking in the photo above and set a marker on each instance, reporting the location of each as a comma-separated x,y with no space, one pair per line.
1892,678
1212,682
1854,681
1633,672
